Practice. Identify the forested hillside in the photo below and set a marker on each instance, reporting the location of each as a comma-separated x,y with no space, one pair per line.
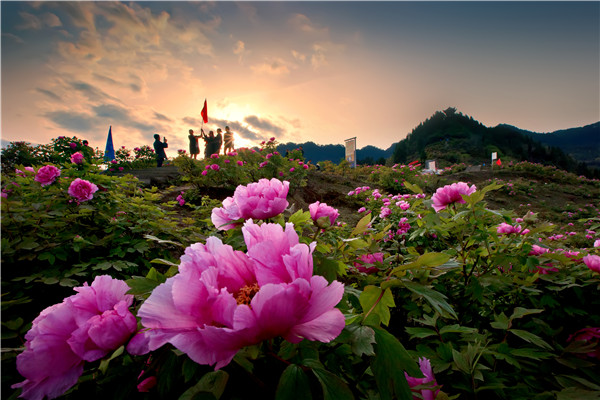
450,137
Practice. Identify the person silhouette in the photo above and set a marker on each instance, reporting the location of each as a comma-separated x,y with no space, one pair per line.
159,150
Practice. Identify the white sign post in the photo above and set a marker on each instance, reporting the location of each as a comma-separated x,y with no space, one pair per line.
351,151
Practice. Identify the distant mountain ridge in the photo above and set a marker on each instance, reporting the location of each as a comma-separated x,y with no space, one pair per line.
451,137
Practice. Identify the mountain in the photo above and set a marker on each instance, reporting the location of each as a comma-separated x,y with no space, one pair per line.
336,152
450,137
583,144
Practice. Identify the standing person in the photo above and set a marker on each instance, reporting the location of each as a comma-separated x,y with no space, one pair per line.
219,141
209,143
194,148
159,149
228,137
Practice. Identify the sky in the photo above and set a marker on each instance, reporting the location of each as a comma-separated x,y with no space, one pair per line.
296,71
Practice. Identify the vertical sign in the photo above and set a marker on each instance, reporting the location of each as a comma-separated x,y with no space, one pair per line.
351,151
494,156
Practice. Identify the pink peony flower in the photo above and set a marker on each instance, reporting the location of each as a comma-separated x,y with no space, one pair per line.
319,210
507,229
215,167
592,262
223,300
240,163
385,212
77,158
73,145
82,190
292,169
84,327
260,200
597,243
450,194
47,175
429,380
180,199
371,258
588,335
204,173
403,205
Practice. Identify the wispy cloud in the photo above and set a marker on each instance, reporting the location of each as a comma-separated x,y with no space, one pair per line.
264,124
49,93
276,66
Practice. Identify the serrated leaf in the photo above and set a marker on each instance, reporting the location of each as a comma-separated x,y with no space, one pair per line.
293,384
299,217
362,339
377,301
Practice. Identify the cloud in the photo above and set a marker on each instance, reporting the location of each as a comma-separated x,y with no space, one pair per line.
273,67
121,115
49,93
264,124
303,23
51,20
72,121
30,21
162,117
239,47
90,91
13,37
298,56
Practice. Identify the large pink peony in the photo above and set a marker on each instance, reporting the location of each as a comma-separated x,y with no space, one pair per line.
592,262
258,200
319,210
82,190
47,175
84,327
428,380
449,194
223,300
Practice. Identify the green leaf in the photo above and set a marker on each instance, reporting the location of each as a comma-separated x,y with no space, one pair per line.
420,333
389,364
299,217
333,387
456,329
500,322
27,244
213,383
436,299
104,363
293,384
425,260
376,301
141,286
520,312
362,339
531,338
413,188
361,226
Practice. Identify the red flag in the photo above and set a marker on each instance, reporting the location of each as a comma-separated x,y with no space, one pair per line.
204,112
498,162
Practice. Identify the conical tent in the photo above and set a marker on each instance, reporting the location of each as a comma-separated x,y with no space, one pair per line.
109,152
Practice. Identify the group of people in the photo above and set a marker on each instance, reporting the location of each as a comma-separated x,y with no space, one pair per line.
212,142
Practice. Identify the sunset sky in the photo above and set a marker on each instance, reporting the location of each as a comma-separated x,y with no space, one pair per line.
299,71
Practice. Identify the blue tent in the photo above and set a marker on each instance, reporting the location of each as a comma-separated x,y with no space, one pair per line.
109,153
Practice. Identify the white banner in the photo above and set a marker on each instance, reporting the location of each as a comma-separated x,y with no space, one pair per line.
494,156
351,151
